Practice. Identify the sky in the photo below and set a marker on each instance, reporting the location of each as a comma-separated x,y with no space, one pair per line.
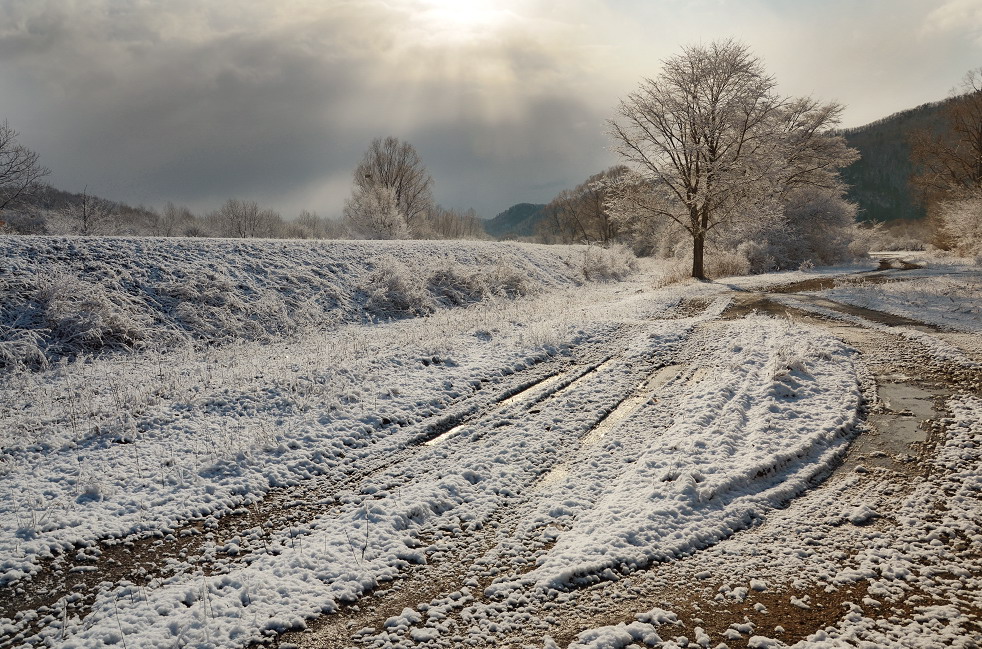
198,101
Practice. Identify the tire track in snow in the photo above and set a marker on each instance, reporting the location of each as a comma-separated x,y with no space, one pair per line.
533,531
643,393
424,491
148,557
61,588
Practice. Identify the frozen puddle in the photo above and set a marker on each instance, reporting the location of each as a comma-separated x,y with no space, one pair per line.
644,391
504,403
642,394
908,400
908,407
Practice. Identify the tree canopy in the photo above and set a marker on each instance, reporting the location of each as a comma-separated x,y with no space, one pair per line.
20,171
391,185
712,142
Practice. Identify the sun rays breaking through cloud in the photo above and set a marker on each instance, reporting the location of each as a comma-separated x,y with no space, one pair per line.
198,101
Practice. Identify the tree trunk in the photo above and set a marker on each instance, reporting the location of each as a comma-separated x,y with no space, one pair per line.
698,247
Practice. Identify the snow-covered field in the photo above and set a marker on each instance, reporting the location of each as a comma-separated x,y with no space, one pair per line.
322,423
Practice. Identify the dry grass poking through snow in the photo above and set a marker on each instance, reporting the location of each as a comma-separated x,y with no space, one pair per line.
63,298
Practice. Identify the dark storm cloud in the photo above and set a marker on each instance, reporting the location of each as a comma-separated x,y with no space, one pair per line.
195,105
158,116
197,101
531,159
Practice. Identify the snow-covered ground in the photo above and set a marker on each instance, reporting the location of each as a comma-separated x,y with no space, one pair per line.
947,296
534,445
65,297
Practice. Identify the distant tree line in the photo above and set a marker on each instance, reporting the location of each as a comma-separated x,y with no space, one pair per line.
392,199
718,169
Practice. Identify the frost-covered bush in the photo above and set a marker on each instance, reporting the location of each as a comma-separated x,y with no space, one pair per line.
960,224
59,315
606,264
810,225
455,285
507,281
374,213
82,316
22,348
395,290
726,264
717,264
890,237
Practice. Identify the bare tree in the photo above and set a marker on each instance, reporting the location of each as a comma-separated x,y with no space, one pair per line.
396,165
245,220
950,161
712,139
87,216
374,213
20,171
173,221
582,214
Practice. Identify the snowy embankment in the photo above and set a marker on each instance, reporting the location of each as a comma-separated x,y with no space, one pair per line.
67,297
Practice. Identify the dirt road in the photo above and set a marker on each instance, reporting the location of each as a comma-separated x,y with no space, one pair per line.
702,474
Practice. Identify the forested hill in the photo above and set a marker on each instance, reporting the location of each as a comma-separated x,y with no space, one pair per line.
517,221
878,181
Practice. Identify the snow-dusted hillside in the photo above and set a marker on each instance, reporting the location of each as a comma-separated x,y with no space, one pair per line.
61,297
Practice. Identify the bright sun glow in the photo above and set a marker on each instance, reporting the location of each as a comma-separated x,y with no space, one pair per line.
464,14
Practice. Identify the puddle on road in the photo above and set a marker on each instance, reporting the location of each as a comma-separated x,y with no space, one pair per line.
879,276
904,398
899,430
897,263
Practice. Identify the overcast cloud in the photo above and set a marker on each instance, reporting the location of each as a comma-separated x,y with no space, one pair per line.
196,101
